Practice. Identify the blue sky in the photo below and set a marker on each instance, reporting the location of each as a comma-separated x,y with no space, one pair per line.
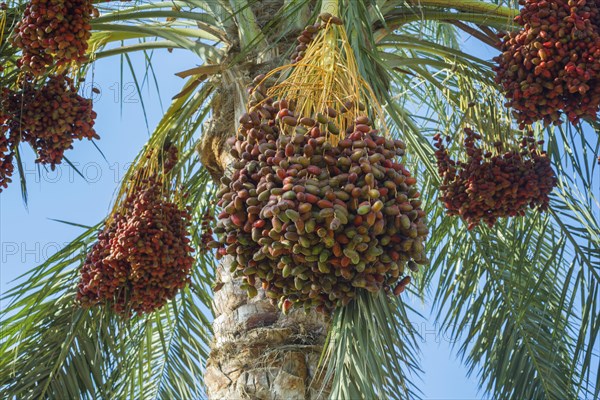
28,236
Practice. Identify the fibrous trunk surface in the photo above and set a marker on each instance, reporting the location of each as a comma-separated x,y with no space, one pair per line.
259,353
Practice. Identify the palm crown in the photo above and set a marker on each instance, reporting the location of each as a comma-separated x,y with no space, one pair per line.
520,297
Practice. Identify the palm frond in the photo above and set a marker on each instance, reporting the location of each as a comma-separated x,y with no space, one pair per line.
508,304
371,350
42,317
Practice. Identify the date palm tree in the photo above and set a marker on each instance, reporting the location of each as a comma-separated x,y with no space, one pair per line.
520,299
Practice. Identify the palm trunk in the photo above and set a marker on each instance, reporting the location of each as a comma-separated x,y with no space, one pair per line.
259,353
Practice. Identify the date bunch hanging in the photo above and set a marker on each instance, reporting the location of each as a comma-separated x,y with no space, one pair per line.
319,204
8,142
207,232
489,185
53,33
552,65
49,117
142,257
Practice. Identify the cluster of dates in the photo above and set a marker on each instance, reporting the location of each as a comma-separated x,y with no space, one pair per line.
207,232
309,33
552,65
49,118
142,257
489,186
53,33
8,142
304,40
314,222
